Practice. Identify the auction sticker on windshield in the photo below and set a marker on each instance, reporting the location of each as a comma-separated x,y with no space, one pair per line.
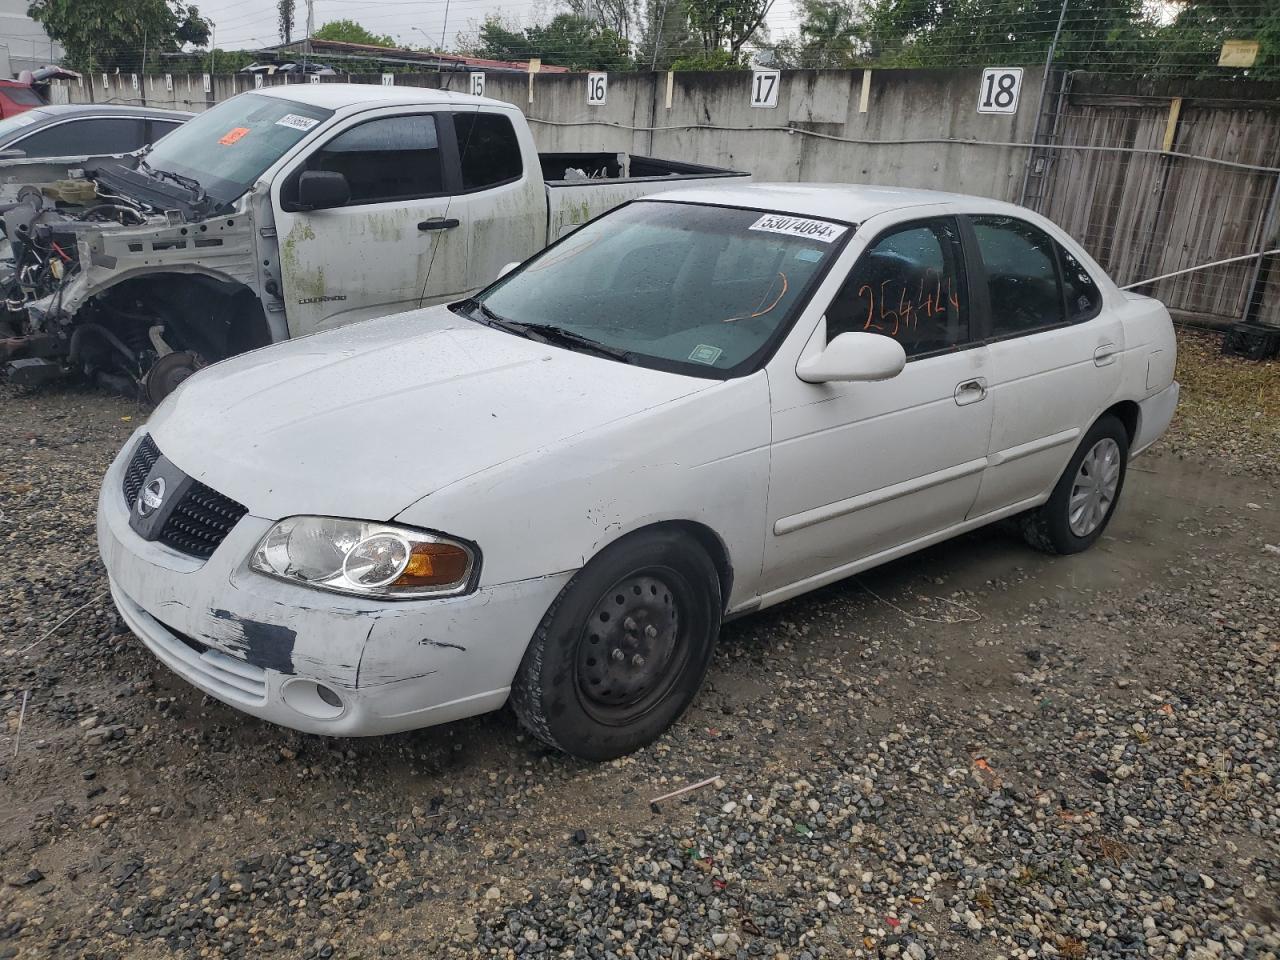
800,227
296,121
233,135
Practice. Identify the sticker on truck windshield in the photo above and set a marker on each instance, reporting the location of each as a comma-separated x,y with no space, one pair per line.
296,122
233,135
819,230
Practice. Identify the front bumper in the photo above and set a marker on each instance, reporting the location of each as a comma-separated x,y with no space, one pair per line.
284,652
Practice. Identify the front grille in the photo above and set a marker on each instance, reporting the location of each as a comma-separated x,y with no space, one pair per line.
140,464
200,521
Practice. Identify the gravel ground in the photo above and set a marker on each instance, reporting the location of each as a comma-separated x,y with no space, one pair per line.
975,752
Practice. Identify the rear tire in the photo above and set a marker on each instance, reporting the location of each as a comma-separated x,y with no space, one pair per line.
1086,495
623,650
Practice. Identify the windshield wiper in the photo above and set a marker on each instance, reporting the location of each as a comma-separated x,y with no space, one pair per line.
546,333
179,179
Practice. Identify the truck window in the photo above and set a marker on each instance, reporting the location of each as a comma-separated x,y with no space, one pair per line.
393,158
488,148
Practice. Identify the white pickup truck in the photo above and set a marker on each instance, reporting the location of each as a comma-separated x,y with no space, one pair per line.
286,211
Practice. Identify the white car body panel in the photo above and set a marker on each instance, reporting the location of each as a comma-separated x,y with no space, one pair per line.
543,457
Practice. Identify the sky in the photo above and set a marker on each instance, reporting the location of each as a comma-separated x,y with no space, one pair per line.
252,23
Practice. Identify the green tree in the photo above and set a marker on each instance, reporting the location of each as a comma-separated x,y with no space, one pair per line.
348,31
110,34
727,24
285,9
1193,40
568,41
830,36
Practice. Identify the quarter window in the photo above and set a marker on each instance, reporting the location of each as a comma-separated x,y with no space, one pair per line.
488,148
395,158
1022,275
1084,299
909,285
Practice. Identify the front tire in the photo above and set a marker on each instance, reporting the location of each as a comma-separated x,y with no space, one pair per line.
623,650
1086,495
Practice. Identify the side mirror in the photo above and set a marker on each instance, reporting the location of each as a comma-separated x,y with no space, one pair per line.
12,153
322,189
855,356
507,269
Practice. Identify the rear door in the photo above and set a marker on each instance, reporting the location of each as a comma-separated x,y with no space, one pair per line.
400,241
505,199
1054,350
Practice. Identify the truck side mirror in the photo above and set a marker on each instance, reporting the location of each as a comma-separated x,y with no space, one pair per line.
507,268
322,189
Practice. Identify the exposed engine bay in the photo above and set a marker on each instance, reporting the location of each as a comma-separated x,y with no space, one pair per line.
130,276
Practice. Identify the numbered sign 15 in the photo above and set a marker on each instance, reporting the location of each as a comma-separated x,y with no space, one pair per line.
477,84
764,88
257,80
1000,89
597,89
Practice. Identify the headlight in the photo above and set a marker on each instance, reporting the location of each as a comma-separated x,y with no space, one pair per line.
367,559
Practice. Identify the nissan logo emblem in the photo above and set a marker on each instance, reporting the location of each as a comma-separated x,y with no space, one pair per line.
152,497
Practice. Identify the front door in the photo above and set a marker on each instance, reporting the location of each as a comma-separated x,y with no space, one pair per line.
859,469
399,241
1054,357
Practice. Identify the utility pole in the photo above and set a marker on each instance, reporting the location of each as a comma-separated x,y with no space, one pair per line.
445,26
311,18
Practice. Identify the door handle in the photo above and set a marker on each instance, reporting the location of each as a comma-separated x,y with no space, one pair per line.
439,223
1105,354
971,391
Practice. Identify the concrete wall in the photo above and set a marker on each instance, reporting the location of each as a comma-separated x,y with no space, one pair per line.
709,119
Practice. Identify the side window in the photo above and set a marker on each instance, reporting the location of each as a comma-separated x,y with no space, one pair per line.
1022,275
394,158
77,138
909,285
488,148
161,127
1084,299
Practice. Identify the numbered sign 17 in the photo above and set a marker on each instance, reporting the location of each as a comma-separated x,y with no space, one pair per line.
597,89
388,79
764,88
477,84
999,90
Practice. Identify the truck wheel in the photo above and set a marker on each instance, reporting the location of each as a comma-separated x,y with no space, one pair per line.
1085,498
624,648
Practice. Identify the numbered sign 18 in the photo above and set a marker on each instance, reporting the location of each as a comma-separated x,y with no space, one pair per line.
1000,89
134,78
388,79
208,82
597,89
764,88
477,84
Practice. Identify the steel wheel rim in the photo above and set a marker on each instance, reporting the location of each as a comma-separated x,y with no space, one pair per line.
630,651
1093,492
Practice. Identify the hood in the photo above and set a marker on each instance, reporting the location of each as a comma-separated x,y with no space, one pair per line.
364,420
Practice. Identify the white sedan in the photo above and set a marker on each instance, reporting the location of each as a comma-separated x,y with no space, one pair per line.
695,407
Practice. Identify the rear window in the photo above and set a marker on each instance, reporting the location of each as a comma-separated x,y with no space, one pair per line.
488,148
23,96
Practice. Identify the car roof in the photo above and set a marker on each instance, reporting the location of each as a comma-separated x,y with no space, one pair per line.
850,202
61,111
334,96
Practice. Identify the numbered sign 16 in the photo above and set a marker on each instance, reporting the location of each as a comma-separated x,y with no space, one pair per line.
1000,89
388,79
597,89
477,84
764,88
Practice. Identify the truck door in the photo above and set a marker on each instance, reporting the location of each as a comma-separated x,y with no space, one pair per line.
401,238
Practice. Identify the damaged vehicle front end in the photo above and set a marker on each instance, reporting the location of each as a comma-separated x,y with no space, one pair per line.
139,272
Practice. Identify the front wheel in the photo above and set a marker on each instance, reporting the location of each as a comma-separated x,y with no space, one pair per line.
1085,497
623,650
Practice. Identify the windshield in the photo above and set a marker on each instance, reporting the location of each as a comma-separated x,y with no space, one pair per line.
697,289
18,122
227,147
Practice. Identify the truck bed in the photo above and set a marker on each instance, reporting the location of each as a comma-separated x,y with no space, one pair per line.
581,186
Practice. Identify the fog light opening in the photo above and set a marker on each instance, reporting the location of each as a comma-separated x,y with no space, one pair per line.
313,699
